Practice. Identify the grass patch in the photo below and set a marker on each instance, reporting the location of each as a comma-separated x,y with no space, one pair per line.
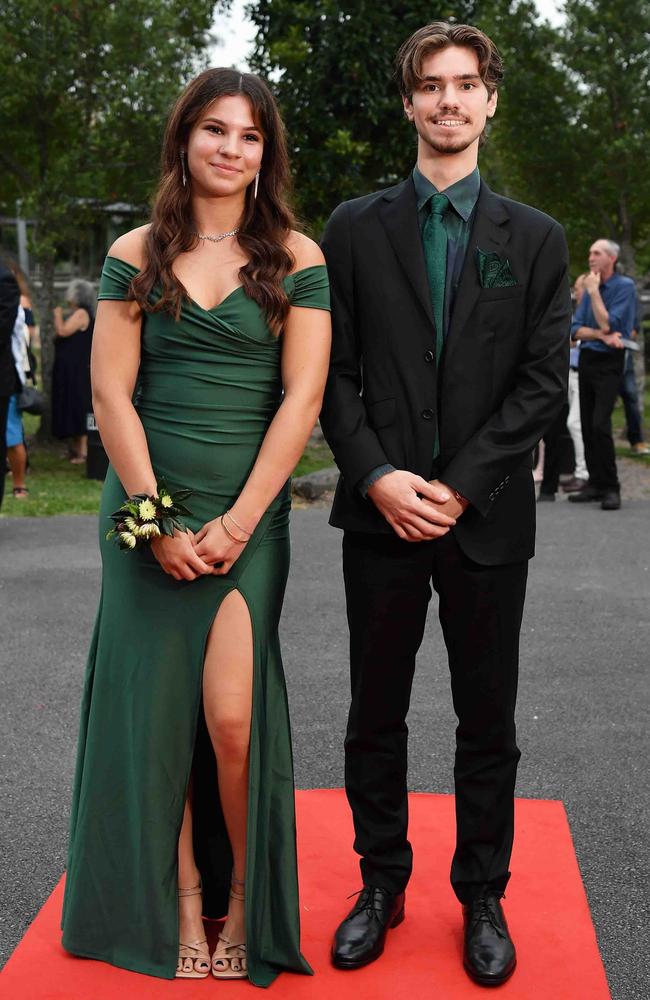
56,487
315,456
618,422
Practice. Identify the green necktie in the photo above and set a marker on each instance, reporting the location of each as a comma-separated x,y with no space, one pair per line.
434,238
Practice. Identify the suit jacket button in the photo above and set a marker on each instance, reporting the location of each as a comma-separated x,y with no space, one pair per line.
427,414
429,356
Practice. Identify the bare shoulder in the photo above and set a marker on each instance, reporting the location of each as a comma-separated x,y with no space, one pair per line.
130,246
306,252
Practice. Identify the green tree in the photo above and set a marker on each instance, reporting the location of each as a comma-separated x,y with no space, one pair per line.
85,88
606,51
531,153
333,63
568,137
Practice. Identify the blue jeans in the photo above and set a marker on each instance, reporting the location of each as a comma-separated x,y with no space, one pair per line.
629,394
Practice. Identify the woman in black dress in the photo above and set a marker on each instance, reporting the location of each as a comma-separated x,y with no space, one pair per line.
71,395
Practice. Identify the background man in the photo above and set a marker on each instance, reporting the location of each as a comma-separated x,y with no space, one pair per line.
605,314
451,317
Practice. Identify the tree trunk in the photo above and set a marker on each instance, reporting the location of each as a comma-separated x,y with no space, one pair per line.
46,303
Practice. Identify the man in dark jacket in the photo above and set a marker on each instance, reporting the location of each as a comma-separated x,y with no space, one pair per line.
9,384
451,313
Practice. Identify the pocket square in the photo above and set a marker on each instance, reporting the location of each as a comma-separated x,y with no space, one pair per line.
494,271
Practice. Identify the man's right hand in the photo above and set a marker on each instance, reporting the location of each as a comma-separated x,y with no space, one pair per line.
395,496
612,339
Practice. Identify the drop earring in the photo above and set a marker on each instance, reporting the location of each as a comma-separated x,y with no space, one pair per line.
257,184
183,167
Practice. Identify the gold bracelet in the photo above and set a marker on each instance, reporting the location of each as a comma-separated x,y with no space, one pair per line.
240,541
237,524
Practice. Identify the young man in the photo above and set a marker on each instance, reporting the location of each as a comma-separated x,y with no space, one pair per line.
606,313
451,317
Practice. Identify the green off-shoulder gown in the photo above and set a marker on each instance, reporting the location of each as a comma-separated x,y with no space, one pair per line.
208,388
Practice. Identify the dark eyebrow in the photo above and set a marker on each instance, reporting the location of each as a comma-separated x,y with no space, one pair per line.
458,76
246,128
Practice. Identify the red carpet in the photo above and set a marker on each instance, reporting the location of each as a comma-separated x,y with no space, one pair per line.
546,908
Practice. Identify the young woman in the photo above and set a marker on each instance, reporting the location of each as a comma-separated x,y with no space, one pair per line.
71,395
218,313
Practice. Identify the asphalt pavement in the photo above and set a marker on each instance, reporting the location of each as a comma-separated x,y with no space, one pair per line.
582,710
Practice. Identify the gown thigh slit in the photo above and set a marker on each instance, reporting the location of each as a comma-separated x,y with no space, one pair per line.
215,683
209,386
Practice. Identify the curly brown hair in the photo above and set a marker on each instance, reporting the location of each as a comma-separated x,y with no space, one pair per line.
266,221
439,35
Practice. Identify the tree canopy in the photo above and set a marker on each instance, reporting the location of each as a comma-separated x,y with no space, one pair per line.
86,85
84,92
569,132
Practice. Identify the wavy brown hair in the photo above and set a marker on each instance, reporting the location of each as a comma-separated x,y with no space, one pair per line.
439,35
266,220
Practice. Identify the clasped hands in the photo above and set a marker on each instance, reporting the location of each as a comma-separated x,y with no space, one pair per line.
416,509
209,552
612,338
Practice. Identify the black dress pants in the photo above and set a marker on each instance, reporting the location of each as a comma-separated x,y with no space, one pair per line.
388,588
556,440
600,376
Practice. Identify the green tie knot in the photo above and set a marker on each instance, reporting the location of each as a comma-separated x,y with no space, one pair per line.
439,204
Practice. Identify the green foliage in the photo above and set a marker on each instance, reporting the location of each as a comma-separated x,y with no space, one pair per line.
84,91
85,88
335,87
606,53
570,130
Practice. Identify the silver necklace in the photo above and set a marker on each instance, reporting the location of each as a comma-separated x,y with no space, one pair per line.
219,238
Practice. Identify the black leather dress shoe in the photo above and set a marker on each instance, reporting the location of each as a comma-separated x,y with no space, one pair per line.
611,500
489,956
360,939
586,495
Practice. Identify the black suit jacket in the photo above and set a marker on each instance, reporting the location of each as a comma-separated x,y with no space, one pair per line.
503,370
9,302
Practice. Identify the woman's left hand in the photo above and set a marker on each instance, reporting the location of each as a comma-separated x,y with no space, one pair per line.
214,546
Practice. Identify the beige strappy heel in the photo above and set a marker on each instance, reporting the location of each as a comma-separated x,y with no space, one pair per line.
229,958
193,959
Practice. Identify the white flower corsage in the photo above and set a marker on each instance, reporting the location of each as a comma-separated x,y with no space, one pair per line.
142,517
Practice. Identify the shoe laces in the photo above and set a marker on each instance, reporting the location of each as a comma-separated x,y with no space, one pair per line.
369,900
484,911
